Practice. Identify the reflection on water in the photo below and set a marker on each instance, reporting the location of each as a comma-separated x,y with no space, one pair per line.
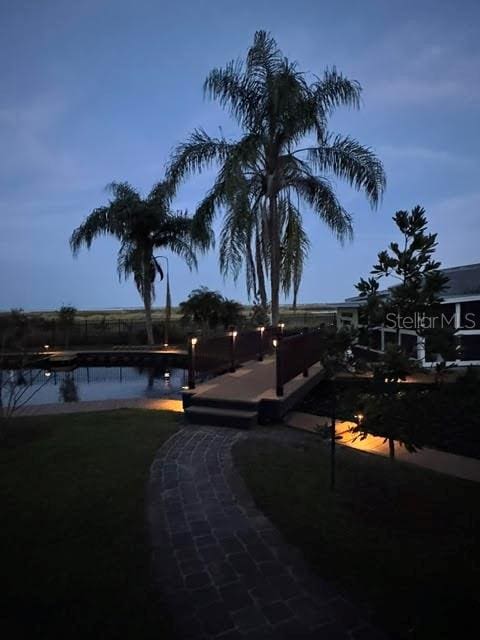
68,391
102,383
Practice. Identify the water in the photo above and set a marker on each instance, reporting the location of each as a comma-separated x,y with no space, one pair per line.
95,383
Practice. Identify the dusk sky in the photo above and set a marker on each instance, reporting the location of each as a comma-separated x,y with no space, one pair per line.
102,90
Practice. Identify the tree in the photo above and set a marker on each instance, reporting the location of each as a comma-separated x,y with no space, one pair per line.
265,175
142,225
210,309
415,297
420,281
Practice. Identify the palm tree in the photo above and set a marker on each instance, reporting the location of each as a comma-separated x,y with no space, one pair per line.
142,226
266,175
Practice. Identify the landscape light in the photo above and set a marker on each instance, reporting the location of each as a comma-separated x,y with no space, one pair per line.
261,329
46,346
275,343
193,341
48,374
165,344
234,334
166,375
359,417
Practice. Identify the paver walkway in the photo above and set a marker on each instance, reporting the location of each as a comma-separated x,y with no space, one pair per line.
222,567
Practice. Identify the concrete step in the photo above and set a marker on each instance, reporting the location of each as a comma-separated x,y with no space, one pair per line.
221,417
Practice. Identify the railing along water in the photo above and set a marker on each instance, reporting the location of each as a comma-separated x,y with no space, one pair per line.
296,354
218,354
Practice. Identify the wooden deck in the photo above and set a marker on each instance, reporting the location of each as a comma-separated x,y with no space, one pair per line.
247,396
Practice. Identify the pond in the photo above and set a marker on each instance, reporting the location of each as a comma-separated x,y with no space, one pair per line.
39,386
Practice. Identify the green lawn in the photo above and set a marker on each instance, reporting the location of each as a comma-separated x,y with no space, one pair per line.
402,539
73,548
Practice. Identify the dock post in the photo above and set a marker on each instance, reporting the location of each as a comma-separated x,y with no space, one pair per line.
233,340
261,331
277,343
192,341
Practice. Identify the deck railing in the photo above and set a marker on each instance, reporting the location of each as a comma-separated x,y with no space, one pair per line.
226,352
295,355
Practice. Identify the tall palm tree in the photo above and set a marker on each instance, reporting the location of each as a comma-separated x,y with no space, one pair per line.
266,175
142,225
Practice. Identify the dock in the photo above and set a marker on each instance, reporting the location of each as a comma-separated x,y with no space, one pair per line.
247,396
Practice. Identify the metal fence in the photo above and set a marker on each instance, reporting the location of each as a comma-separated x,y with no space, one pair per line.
38,331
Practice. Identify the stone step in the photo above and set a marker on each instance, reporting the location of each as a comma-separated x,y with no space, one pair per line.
221,417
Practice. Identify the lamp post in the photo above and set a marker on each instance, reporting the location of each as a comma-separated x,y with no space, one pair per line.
168,300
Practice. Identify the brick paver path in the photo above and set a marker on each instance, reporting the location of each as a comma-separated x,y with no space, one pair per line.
222,567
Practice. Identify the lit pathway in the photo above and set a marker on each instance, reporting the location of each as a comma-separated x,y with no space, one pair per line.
223,569
441,461
88,406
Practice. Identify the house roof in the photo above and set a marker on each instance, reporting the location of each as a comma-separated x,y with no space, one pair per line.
462,281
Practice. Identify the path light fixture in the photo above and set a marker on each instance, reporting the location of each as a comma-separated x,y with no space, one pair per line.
359,418
281,326
48,373
46,347
275,343
166,375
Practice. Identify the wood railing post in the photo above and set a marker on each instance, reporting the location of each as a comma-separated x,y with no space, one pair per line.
279,355
192,342
261,351
233,342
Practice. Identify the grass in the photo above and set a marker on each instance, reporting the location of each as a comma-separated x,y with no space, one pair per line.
74,553
400,540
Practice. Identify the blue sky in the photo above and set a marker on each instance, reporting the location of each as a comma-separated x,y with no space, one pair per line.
101,90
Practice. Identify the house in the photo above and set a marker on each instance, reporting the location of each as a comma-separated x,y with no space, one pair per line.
459,310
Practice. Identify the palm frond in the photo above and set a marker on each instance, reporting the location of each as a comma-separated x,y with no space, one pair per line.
348,159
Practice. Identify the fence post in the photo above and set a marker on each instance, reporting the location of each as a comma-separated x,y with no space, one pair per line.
304,348
192,342
279,355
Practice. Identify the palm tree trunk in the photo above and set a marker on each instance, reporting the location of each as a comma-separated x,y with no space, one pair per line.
262,290
147,303
274,259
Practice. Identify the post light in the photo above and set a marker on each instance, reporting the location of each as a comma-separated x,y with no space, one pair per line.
275,343
281,326
46,346
233,333
261,330
359,417
191,361
48,373
166,375
165,345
